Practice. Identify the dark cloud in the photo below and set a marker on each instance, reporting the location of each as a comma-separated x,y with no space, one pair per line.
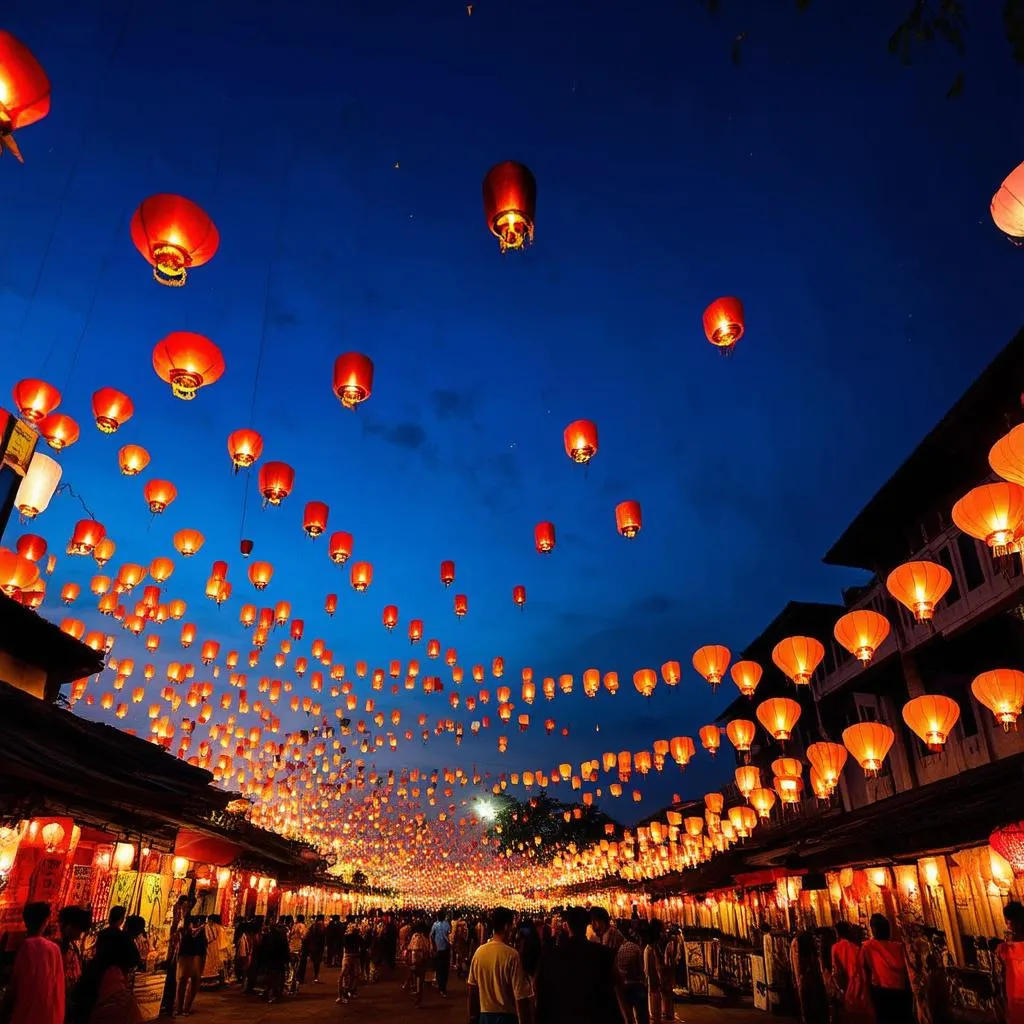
452,405
403,435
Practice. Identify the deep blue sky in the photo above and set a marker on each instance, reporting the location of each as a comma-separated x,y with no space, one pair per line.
839,194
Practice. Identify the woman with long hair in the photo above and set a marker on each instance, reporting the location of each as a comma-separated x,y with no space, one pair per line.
810,986
103,995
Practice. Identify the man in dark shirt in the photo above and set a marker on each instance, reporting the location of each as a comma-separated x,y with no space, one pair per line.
577,982
113,942
191,954
335,933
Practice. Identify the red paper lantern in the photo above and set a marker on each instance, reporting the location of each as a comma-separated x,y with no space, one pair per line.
340,547
24,91
187,362
112,409
447,573
353,378
544,537
174,235
1008,842
510,204
58,431
34,399
519,596
628,518
276,481
314,518
723,323
581,441
461,605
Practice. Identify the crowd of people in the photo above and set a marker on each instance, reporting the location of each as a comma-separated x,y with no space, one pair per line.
578,966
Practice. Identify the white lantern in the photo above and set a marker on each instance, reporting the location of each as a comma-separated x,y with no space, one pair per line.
38,485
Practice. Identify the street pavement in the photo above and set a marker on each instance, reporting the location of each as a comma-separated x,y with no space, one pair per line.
385,1003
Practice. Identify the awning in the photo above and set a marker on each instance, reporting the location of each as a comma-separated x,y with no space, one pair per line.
204,849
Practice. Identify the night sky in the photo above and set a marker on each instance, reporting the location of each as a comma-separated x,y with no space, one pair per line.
340,149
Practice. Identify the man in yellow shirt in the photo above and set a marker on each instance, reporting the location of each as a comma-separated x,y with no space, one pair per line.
498,988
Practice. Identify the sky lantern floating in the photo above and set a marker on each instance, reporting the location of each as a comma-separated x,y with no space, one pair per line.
447,573
748,778
85,536
919,586
519,597
17,573
741,733
993,513
828,760
433,648
353,378
672,673
260,574
390,617
188,634
158,495
24,91
544,537
461,605
1008,204
932,717
710,738
762,800
510,204
591,682
58,431
276,482
187,362
779,716
176,609
711,661
31,546
188,542
581,441
415,631
38,485
340,547
869,742
174,235
104,551
245,446
644,681
132,459
628,519
34,399
797,657
361,576
112,409
1001,690
682,750
314,518
723,323
746,675
331,604
862,632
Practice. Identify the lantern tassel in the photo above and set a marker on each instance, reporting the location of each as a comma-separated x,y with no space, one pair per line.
7,142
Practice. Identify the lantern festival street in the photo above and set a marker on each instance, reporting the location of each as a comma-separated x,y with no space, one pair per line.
512,512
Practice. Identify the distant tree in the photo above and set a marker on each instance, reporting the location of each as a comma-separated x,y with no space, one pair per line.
519,823
925,22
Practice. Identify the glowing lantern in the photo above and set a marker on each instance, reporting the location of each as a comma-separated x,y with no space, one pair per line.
276,482
16,572
188,542
314,518
711,662
1008,842
34,399
862,632
433,648
628,519
245,547
59,431
415,630
1007,456
1002,692
992,513
682,750
174,235
671,672
744,820
779,716
645,680
448,573
869,742
741,734
211,648
132,459
591,682
748,778
510,204
245,446
361,576
581,441
611,682
103,552
86,535
260,574
544,537
331,604
158,494
340,547
112,409
746,675
461,605
69,592
723,323
390,617
797,657
762,800
919,586
187,362
931,716
519,596
710,738
1008,204
38,485
188,634
353,378
31,547
24,91
827,759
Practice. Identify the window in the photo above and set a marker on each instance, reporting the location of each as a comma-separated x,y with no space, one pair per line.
946,560
974,575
